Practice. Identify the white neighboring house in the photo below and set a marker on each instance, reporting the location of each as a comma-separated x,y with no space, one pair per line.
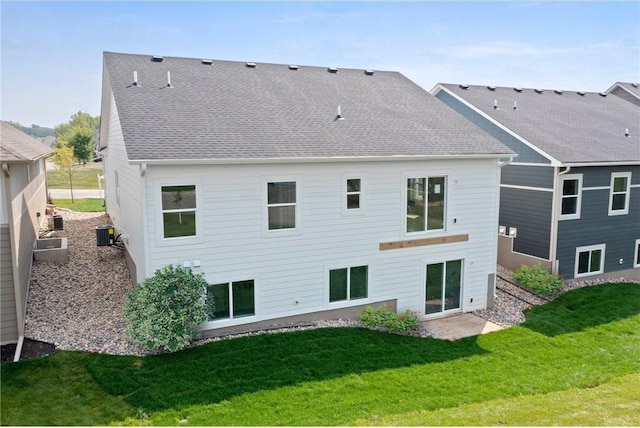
301,193
23,200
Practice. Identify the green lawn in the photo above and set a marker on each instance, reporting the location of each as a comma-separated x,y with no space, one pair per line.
581,349
87,205
86,177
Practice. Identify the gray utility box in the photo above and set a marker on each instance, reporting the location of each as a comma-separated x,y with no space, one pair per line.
105,235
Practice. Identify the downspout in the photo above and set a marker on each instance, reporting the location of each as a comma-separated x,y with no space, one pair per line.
553,250
14,270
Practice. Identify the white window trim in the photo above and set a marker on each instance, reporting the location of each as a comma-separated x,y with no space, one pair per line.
353,211
425,232
231,321
348,302
576,215
425,263
266,232
636,253
178,240
589,248
627,193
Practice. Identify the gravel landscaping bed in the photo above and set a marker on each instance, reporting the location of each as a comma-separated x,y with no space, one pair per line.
78,305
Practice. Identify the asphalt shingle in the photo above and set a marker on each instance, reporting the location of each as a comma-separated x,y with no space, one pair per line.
16,146
226,110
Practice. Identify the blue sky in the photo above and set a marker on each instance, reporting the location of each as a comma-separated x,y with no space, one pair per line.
51,52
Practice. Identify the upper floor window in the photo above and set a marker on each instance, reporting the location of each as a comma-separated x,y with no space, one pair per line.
281,205
354,193
179,211
571,196
619,196
425,204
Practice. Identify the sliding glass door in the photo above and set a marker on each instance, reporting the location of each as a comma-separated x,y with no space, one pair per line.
443,287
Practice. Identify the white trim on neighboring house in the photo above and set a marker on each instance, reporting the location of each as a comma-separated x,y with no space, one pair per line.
560,196
554,161
590,249
535,189
636,255
626,192
618,85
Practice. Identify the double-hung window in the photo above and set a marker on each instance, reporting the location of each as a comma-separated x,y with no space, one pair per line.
589,260
353,193
230,300
179,211
281,205
348,283
619,195
570,196
425,204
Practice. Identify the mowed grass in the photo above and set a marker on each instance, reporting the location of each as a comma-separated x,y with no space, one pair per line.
86,177
87,205
583,342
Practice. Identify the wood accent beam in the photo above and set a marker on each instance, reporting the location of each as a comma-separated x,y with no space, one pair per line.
422,242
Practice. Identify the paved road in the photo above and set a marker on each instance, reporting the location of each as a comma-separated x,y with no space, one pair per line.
77,193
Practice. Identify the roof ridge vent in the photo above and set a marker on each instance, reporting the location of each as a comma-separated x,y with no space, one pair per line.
635,85
602,94
332,70
581,93
517,89
157,58
251,64
135,79
557,91
293,67
491,88
369,72
464,86
538,91
207,61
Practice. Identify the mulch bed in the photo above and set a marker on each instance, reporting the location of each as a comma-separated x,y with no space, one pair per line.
30,349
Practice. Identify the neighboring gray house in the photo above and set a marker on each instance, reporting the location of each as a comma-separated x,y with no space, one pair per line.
571,199
299,192
22,206
626,91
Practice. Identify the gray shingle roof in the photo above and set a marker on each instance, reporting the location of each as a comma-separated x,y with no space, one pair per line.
569,126
16,146
227,110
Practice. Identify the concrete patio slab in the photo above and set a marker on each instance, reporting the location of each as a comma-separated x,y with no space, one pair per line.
458,326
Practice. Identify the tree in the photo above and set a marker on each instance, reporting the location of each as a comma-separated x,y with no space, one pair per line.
64,161
81,141
78,120
166,310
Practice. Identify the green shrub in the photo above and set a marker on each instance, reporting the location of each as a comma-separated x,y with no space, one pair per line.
383,316
166,310
538,279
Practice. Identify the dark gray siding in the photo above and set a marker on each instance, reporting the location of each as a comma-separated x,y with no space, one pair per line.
530,212
595,226
532,176
525,153
8,320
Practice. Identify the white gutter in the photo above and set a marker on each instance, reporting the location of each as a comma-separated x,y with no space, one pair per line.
237,161
553,244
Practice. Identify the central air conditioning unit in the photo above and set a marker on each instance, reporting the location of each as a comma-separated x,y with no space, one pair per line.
105,235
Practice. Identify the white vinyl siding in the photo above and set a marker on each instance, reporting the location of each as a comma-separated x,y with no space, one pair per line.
570,197
619,193
292,268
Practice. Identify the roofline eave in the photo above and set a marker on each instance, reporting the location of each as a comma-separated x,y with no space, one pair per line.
238,161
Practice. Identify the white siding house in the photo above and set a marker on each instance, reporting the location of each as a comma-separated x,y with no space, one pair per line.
23,199
301,193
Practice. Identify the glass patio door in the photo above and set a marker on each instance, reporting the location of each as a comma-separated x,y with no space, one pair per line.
443,287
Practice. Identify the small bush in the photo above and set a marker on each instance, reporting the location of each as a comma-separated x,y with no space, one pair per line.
383,316
166,310
538,279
